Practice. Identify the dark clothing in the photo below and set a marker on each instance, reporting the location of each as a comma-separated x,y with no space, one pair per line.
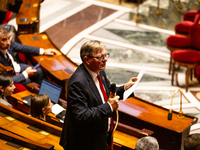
19,78
2,16
86,120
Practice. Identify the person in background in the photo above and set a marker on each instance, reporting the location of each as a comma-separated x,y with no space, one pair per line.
88,124
9,5
41,106
147,143
6,88
23,73
192,142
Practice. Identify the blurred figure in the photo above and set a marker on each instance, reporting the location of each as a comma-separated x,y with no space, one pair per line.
147,143
41,106
9,5
6,88
192,142
23,73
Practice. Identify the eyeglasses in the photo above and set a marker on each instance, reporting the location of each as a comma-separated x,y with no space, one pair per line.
101,57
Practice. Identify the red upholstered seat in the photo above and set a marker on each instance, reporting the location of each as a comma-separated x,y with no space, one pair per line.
190,15
22,58
19,88
8,17
197,71
186,56
179,41
184,26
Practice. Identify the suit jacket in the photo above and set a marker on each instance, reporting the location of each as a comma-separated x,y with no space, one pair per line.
86,120
16,47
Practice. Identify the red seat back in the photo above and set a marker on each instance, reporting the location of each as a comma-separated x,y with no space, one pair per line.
8,17
195,36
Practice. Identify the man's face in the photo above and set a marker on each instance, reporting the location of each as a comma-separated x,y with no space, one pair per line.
97,65
5,41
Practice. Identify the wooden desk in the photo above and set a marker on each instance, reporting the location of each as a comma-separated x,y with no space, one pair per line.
125,137
18,102
28,17
31,130
170,134
58,67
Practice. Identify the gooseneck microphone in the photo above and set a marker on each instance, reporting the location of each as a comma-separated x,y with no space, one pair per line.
170,113
180,114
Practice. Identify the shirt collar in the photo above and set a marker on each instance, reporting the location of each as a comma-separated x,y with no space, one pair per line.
3,51
92,74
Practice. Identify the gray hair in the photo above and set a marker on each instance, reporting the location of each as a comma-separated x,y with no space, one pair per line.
91,47
147,143
3,30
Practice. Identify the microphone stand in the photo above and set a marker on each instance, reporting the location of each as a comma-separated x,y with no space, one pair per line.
180,114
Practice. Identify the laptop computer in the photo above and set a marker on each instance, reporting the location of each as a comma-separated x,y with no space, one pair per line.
53,91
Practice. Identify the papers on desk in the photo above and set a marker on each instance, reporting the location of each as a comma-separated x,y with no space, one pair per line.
128,92
56,109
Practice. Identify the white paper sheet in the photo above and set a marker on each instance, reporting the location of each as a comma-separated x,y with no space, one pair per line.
56,109
128,92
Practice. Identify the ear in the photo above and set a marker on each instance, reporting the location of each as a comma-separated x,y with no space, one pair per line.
43,110
86,60
2,89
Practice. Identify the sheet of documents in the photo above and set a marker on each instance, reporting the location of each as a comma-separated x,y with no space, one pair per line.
128,92
56,109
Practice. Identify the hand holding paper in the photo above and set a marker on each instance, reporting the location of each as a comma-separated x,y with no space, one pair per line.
128,92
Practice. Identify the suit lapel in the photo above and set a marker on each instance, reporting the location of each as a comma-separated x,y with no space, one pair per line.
92,85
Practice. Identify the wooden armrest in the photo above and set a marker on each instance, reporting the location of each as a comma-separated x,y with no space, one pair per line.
133,131
62,103
6,69
33,87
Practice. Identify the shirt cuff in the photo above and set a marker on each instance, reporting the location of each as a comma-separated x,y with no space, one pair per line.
25,74
110,107
41,52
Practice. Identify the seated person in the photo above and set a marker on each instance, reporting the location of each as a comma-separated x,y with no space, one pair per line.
147,143
192,142
41,105
13,32
11,5
23,73
6,88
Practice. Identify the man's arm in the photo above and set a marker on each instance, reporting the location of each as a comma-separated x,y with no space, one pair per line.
83,104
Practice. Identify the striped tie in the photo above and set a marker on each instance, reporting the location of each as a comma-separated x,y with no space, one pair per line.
9,60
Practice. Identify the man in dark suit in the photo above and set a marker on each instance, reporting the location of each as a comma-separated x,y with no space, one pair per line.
23,73
87,121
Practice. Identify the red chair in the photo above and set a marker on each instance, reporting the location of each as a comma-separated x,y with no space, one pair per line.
184,26
190,15
180,42
19,88
8,17
185,58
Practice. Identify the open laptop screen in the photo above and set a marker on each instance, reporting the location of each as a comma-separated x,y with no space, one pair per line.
51,89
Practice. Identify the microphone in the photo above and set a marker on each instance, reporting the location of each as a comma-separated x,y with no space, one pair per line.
170,113
113,90
180,114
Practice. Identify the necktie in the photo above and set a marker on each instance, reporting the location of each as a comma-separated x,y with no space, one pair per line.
9,60
102,88
106,99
